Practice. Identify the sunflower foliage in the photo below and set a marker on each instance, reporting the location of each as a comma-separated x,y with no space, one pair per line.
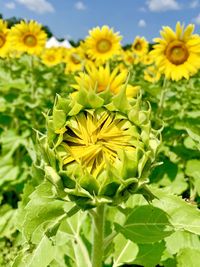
141,222
84,172
27,89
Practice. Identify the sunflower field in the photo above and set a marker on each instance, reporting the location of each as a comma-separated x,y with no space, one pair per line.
99,149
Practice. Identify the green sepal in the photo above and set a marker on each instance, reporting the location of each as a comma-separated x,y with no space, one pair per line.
66,180
89,183
59,118
54,178
146,192
89,99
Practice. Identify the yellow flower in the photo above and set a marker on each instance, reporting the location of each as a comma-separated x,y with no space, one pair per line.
93,139
64,51
51,56
140,46
28,37
74,60
147,60
102,148
177,54
102,44
4,39
151,74
129,57
102,78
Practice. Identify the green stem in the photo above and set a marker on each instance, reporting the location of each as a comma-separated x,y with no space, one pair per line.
162,99
98,236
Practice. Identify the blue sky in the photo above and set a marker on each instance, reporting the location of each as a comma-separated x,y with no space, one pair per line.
73,18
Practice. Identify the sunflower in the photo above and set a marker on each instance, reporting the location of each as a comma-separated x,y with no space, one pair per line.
28,37
4,39
51,56
147,60
63,51
102,44
74,60
151,74
140,46
177,53
129,58
102,78
101,147
94,139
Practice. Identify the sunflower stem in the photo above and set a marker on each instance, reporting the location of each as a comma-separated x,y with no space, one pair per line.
98,236
162,98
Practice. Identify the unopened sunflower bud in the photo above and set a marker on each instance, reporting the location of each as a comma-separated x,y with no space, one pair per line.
99,148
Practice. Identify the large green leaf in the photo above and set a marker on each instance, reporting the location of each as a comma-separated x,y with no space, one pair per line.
149,255
125,251
146,224
42,212
188,257
180,240
182,215
69,234
41,256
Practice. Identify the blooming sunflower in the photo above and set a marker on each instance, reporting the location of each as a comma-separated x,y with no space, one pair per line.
102,78
147,59
102,43
129,58
28,37
140,46
51,56
151,74
74,60
4,39
177,53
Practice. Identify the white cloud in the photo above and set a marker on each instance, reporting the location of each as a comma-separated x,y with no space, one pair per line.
142,23
10,5
80,5
38,6
194,4
197,20
162,5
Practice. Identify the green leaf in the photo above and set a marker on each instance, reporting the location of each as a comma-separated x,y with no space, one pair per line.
193,170
180,240
182,215
42,213
146,224
188,257
149,255
42,255
70,231
125,251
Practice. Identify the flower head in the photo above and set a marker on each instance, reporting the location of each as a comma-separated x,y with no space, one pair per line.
102,44
151,74
74,60
140,46
102,79
99,148
51,56
177,53
28,37
4,39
